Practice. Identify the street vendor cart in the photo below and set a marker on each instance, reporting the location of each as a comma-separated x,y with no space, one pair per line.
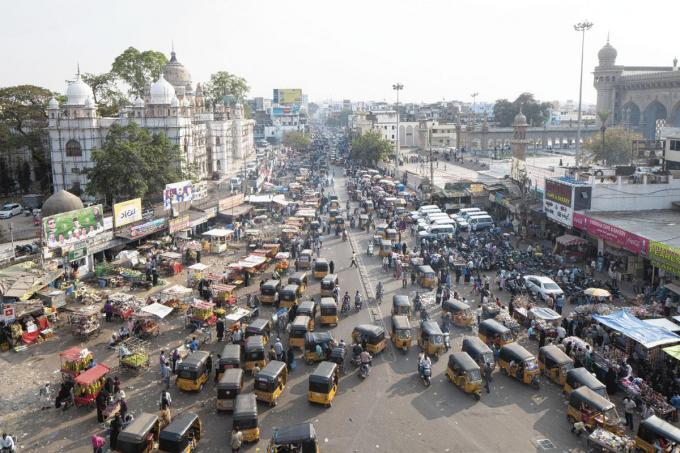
281,261
123,305
133,355
84,322
145,325
88,384
177,297
218,239
170,263
74,361
200,314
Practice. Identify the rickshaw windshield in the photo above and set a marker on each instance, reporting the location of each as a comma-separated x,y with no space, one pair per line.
268,290
530,364
436,339
568,366
611,416
186,374
403,334
473,375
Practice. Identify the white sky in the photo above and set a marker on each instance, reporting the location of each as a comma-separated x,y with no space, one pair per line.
356,49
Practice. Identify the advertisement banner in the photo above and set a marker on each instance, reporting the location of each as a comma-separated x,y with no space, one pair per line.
231,202
179,224
289,110
176,193
558,201
127,212
288,96
665,257
558,191
612,234
73,226
144,229
200,191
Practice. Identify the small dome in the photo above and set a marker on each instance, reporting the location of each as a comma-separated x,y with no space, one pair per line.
186,103
174,102
89,103
520,119
77,92
53,104
139,103
176,73
161,92
607,55
60,202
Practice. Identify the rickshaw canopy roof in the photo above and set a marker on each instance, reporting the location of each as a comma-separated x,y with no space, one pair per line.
424,269
306,306
231,378
463,361
431,328
321,261
137,430
194,360
493,326
515,351
584,394
271,283
306,252
271,371
369,329
330,278
245,407
297,276
324,372
455,305
230,352
301,321
258,324
314,338
255,342
289,289
96,372
400,300
584,377
386,243
327,302
555,354
476,345
294,433
661,427
179,426
401,322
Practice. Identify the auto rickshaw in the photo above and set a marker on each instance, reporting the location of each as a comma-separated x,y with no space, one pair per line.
392,234
431,338
308,308
181,435
363,221
269,291
298,328
372,336
427,277
323,384
328,311
401,332
479,351
554,363
401,305
328,284
230,358
381,230
305,259
255,353
270,382
192,372
580,377
321,268
465,373
261,327
244,417
520,364
492,332
333,214
140,435
289,296
655,431
312,340
458,312
588,407
300,279
281,260
228,387
385,247
301,438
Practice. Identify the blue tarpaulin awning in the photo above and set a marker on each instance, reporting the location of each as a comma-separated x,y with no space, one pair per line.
646,334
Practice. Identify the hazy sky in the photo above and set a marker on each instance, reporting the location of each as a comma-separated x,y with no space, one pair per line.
352,49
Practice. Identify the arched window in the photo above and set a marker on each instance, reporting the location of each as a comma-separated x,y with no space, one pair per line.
73,149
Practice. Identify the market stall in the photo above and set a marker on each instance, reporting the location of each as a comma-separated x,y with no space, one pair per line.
610,442
201,314
124,305
176,297
218,239
74,361
133,355
170,263
88,384
84,321
571,247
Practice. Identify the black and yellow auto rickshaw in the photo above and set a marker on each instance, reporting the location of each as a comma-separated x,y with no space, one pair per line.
588,407
296,438
289,296
580,377
192,372
323,384
479,351
392,234
328,312
328,285
653,431
244,417
305,259
370,337
401,332
270,382
298,328
401,305
465,373
431,338
340,224
427,277
333,215
312,353
301,279
385,247
228,387
255,353
381,230
140,435
261,327
458,312
554,363
308,308
181,435
363,221
321,268
230,358
269,291
493,332
517,362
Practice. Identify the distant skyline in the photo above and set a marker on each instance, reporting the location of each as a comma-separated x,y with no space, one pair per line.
439,50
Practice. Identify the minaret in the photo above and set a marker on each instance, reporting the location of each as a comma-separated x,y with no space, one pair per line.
519,144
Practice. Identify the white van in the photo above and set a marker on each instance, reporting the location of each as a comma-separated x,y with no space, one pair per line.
436,215
441,231
428,208
478,223
474,214
464,212
444,221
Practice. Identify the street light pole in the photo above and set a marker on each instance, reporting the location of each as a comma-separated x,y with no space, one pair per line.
581,27
397,87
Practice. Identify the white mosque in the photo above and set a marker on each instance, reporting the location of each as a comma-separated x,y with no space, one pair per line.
210,138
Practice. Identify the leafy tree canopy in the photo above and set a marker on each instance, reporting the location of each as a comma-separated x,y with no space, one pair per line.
223,83
107,95
537,113
135,68
618,146
296,140
370,148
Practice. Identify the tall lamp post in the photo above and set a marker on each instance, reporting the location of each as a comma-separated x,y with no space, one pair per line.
581,27
397,87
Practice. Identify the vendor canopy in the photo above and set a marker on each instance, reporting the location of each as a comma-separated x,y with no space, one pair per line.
569,240
647,335
673,351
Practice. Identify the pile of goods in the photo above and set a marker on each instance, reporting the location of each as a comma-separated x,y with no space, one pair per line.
611,441
78,365
125,303
504,318
201,312
586,311
646,311
86,295
128,273
93,388
136,359
639,388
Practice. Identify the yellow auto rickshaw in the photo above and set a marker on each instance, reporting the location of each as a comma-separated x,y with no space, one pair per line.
580,377
321,268
298,328
363,221
458,312
328,312
333,215
261,327
328,285
318,346
228,388
269,291
654,431
305,259
323,384
289,296
401,305
385,247
301,438
181,435
140,435
479,351
392,234
493,332
308,308
554,363
431,338
401,332
255,353
517,362
370,337
465,373
244,417
230,358
270,382
594,411
192,372
300,279
381,230
427,277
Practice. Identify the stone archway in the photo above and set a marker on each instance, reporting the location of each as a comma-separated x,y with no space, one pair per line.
675,115
630,115
654,111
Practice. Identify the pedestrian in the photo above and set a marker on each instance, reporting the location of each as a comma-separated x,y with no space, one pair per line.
331,266
209,364
97,443
278,349
175,359
236,440
487,376
219,327
354,261
100,403
116,428
165,375
290,359
541,339
629,407
404,280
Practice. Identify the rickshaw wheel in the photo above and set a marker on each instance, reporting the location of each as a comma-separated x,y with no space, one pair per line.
329,404
478,396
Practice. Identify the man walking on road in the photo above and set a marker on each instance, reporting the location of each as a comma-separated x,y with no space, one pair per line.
331,266
354,261
487,376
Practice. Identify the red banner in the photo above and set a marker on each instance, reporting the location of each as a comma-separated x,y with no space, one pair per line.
614,235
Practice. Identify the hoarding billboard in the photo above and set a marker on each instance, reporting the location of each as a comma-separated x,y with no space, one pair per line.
127,212
289,110
73,226
562,198
230,202
176,193
178,224
287,96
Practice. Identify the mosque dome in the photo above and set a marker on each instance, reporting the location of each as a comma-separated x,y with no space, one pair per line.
53,104
161,92
78,91
174,102
60,202
139,103
607,55
520,119
176,73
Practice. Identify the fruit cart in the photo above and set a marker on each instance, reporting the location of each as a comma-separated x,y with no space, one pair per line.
88,384
281,260
224,293
133,355
84,322
73,362
200,314
145,325
177,297
124,305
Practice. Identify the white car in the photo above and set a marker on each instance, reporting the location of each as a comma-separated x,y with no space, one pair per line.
10,210
542,286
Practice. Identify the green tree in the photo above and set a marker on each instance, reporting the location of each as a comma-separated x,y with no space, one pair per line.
6,179
537,113
23,175
296,140
107,95
135,68
618,146
370,148
223,83
133,163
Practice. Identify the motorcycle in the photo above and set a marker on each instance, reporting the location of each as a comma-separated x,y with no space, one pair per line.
447,341
369,251
425,371
358,304
344,236
345,306
364,370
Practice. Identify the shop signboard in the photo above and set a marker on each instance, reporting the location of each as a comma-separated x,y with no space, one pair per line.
8,313
76,254
147,228
73,226
612,234
200,191
210,212
127,212
178,224
562,196
230,202
665,257
177,192
198,221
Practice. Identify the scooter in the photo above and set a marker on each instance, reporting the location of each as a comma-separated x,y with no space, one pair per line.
364,370
447,342
358,304
345,307
425,374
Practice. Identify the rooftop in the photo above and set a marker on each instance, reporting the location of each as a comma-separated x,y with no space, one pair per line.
660,225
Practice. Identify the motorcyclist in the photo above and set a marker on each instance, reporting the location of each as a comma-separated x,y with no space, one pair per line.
417,302
336,292
357,299
379,292
423,365
365,358
345,301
